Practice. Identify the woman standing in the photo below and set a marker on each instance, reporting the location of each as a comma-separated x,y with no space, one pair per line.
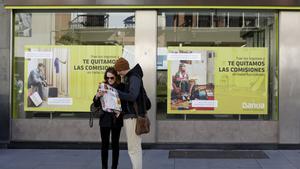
110,122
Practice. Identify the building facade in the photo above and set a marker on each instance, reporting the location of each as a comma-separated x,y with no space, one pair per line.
216,72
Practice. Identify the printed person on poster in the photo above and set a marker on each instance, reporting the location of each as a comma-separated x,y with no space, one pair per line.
181,82
190,78
37,79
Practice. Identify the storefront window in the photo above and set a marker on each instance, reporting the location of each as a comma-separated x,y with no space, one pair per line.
217,64
60,57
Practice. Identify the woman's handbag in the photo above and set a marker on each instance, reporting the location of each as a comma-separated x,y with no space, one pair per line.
93,112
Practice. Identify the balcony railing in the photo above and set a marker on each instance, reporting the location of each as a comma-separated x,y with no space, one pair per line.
89,21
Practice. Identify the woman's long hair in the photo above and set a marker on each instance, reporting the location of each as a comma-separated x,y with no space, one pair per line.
115,73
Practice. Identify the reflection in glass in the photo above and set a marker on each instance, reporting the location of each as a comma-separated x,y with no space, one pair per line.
215,28
67,28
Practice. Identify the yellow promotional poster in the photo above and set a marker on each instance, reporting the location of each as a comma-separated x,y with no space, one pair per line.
65,78
217,80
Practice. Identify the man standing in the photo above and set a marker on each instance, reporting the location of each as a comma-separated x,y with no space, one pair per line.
133,98
37,79
181,82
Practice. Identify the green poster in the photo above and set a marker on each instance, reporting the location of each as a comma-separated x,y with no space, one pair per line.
65,78
217,80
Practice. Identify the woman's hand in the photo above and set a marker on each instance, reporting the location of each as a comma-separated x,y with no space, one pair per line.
100,93
117,113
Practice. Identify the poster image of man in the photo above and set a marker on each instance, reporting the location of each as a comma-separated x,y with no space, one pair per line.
72,73
180,83
192,82
219,80
37,81
48,75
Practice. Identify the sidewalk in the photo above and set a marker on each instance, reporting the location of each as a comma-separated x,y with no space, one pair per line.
152,159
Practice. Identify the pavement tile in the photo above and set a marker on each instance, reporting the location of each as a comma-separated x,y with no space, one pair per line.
191,163
293,156
157,159
233,163
61,166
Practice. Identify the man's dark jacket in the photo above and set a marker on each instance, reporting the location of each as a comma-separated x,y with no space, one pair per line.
133,92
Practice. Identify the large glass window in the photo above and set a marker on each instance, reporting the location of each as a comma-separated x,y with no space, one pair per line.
213,36
58,55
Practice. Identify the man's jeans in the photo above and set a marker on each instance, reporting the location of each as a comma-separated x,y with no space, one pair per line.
134,143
